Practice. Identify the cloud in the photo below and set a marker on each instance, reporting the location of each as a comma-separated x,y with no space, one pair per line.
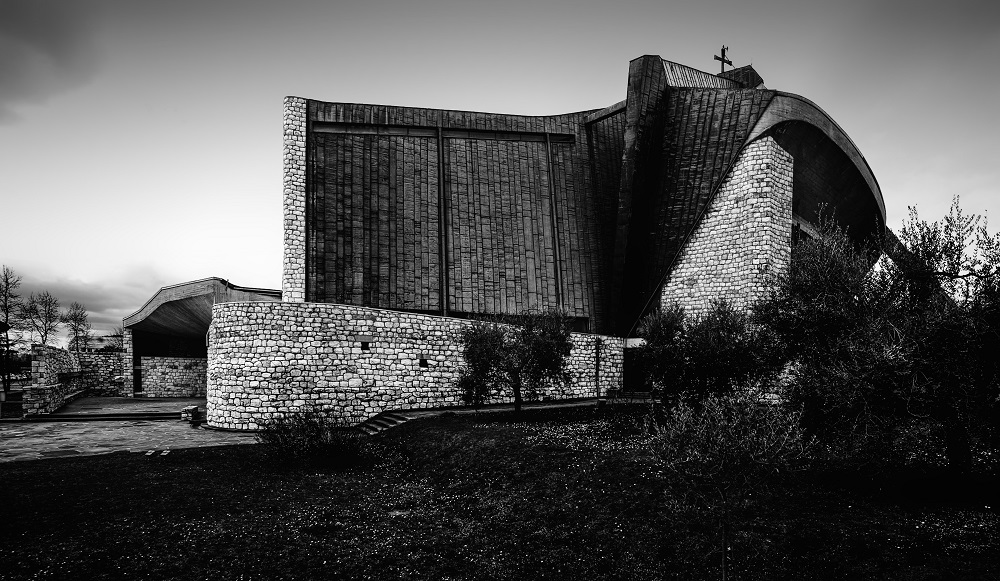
46,48
107,302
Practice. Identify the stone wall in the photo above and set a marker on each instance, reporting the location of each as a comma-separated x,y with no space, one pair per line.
744,239
57,375
293,278
128,357
174,376
102,373
49,388
271,358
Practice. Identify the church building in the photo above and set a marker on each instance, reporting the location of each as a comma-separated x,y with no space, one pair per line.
401,224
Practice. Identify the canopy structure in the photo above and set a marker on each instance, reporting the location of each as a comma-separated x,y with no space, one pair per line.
174,322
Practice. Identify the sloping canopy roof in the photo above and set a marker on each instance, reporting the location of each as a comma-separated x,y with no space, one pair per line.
186,308
790,107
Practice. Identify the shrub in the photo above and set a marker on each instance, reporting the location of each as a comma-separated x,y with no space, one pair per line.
729,443
711,355
482,346
311,437
521,355
726,448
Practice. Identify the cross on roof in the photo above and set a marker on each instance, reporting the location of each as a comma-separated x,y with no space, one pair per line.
724,60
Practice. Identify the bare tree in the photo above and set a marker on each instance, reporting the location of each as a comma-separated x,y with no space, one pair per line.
75,319
115,341
40,314
10,307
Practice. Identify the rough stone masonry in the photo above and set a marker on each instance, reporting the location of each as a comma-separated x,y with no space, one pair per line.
402,223
273,358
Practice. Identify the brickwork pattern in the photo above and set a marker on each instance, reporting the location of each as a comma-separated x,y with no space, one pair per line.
293,279
128,355
48,362
272,358
48,391
102,373
745,237
174,376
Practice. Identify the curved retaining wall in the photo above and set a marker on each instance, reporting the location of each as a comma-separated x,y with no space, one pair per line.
272,358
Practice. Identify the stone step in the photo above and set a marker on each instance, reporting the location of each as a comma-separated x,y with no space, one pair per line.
381,422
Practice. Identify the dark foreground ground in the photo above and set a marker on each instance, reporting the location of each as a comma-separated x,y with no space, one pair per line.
557,494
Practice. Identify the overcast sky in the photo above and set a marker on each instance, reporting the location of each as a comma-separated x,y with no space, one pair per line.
140,142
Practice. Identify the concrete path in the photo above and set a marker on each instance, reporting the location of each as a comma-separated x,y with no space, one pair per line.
33,440
129,405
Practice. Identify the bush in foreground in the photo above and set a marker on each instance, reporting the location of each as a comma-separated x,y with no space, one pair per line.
690,358
727,447
312,437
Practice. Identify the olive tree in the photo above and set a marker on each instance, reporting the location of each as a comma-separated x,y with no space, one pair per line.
914,337
516,355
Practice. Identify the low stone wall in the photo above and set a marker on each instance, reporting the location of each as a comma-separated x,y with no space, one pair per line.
128,361
47,398
57,374
174,376
50,387
102,373
272,358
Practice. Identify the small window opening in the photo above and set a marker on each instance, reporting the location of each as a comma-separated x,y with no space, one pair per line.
366,342
365,346
423,362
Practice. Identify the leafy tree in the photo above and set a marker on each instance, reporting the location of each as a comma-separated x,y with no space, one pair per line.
75,319
40,314
727,447
662,356
948,282
516,355
10,309
483,375
713,354
827,315
873,349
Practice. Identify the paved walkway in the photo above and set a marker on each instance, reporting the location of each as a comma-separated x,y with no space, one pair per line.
129,405
33,440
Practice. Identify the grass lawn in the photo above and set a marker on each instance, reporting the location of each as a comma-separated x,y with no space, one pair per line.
555,494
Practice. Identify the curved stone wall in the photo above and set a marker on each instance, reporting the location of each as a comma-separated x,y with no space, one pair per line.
272,358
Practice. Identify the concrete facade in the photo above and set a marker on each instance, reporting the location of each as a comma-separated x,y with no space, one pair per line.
401,224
